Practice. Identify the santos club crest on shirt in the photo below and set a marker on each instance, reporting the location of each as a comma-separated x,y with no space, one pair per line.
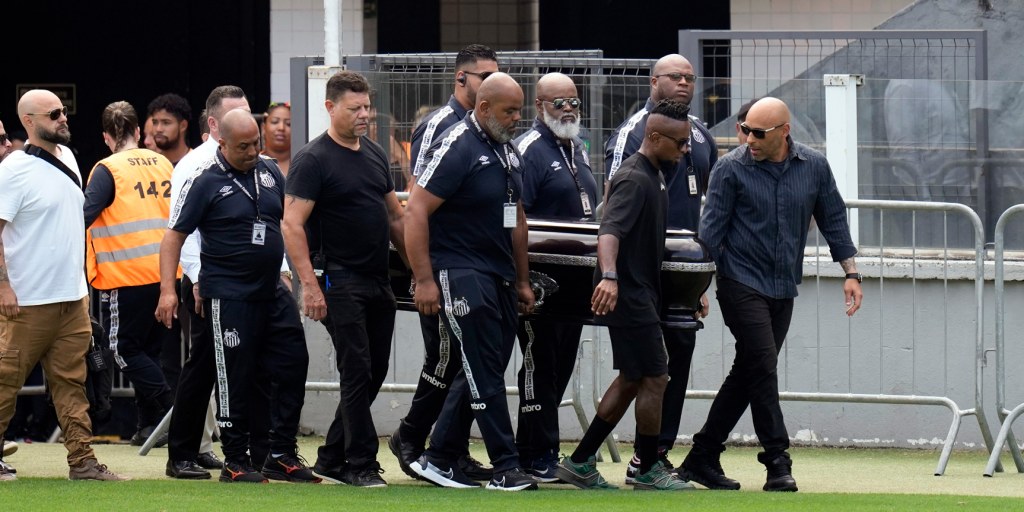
231,339
267,179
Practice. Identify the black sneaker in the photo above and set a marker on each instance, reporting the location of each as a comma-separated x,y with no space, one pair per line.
335,475
186,470
512,480
406,453
780,474
543,469
706,471
366,477
289,467
442,474
241,472
475,469
7,472
209,460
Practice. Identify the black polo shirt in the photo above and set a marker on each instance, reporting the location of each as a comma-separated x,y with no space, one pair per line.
554,174
350,217
434,124
472,173
216,201
683,205
635,212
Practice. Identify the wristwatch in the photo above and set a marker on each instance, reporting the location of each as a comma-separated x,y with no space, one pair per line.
611,276
855,276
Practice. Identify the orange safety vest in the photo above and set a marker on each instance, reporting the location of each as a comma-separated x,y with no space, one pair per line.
124,242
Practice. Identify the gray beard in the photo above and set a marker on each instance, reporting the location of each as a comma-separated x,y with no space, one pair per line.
497,131
560,129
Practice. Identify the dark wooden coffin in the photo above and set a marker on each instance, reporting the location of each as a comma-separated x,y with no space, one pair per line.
562,260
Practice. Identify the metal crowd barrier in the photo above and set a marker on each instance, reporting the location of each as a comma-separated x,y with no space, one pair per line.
914,398
1006,416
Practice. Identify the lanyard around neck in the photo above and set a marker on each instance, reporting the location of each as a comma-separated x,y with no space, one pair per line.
255,181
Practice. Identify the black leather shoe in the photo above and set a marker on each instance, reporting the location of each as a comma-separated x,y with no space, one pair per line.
780,474
209,460
186,470
406,453
707,471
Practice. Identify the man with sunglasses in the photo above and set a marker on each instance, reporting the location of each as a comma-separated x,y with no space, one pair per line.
627,299
761,199
5,142
44,300
557,183
473,64
672,77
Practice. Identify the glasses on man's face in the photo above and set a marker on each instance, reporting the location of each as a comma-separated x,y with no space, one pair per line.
758,133
483,76
559,103
53,114
675,77
4,138
680,143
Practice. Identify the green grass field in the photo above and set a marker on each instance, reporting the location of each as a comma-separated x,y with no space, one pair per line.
829,479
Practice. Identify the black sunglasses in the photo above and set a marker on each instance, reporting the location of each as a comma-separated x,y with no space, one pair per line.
4,138
758,133
680,143
675,77
54,114
559,103
483,76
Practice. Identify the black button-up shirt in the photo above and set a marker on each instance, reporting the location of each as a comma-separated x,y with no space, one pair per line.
757,216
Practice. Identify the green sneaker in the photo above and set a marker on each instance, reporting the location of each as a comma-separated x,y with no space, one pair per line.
659,478
584,475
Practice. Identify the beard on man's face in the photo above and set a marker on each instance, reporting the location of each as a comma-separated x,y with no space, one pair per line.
499,133
561,129
59,136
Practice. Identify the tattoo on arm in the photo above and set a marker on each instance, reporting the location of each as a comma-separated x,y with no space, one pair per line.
849,265
3,273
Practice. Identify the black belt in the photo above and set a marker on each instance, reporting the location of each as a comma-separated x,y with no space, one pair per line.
334,266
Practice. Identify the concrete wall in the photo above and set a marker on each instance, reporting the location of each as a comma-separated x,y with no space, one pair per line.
297,29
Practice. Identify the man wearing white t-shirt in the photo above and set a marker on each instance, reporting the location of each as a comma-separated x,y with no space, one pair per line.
43,296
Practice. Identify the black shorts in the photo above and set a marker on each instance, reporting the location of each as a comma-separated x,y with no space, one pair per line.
639,351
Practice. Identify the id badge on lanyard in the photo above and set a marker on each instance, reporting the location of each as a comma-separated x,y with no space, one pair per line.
259,232
585,201
510,215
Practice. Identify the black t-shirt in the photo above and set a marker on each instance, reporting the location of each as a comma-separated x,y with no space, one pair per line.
636,212
472,174
350,217
233,267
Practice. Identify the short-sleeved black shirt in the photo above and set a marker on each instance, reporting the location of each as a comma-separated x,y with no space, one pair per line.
212,202
350,217
636,212
472,173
